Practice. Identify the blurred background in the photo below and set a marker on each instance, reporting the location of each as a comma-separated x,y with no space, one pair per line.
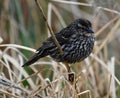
23,29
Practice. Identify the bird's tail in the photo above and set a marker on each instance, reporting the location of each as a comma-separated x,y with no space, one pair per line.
31,60
34,58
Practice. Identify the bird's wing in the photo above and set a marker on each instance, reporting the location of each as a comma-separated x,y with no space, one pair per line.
62,37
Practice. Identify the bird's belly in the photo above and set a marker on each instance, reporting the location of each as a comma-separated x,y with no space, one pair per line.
74,51
77,52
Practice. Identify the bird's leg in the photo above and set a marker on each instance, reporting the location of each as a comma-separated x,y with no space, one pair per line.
71,75
68,67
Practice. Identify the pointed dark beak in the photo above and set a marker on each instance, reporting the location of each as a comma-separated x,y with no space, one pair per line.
90,30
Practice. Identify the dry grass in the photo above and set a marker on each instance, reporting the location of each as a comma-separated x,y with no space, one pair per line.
95,77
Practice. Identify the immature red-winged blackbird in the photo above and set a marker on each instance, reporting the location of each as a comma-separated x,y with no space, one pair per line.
76,40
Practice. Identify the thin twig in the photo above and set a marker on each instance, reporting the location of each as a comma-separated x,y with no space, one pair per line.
105,26
87,5
108,94
108,36
18,46
51,32
73,3
28,77
9,94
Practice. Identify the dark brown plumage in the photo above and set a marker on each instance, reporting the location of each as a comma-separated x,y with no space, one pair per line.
76,40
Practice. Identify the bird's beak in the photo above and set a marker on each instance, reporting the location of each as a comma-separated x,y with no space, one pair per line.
90,30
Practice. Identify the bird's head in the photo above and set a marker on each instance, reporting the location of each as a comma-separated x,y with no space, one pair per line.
83,26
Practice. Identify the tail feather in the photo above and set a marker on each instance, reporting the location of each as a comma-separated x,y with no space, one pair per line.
31,60
37,56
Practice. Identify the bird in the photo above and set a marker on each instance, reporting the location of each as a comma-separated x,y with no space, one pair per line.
76,41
